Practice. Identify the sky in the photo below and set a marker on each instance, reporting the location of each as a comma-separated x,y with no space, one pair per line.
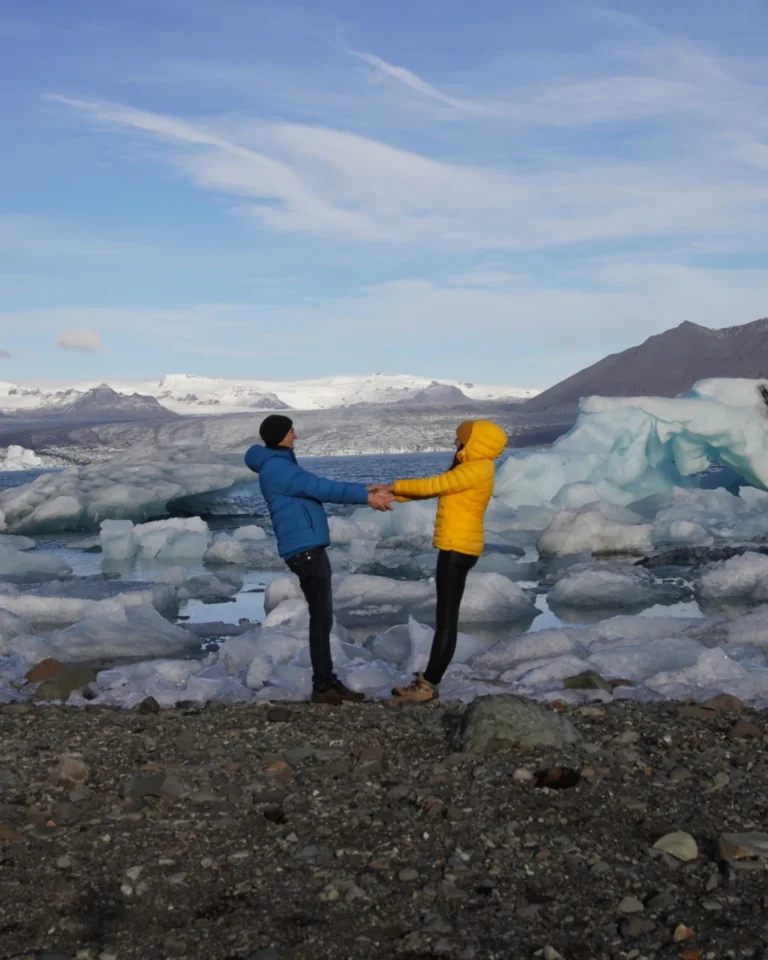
498,191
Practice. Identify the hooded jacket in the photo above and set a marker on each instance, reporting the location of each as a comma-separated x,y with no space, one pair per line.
464,491
295,499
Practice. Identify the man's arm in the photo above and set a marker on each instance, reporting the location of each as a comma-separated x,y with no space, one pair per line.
297,482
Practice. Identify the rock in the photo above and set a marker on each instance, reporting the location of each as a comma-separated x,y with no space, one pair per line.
279,715
44,670
372,760
65,682
8,834
66,814
149,705
743,730
726,702
588,680
692,712
631,928
495,722
557,778
70,772
743,846
679,845
166,786
631,905
682,933
549,953
408,875
267,953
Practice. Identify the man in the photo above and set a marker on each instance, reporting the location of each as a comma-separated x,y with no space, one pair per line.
295,500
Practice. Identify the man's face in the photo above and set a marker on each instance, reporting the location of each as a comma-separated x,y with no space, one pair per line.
290,439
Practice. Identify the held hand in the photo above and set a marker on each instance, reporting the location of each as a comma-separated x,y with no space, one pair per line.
379,487
380,500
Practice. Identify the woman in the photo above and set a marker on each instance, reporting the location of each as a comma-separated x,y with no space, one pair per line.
464,492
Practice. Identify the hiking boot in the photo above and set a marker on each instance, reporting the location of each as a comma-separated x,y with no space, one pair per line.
337,694
347,695
419,691
330,697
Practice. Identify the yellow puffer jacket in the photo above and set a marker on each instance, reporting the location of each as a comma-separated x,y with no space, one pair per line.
464,491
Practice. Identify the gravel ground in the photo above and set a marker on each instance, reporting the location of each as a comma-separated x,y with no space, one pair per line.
272,832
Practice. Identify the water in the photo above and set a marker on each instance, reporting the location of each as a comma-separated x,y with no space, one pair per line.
246,505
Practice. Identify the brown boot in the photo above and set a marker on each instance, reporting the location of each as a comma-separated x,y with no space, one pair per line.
420,691
347,695
330,697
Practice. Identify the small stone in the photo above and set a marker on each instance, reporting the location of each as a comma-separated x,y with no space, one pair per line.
63,863
149,705
550,953
631,928
279,715
631,905
70,772
683,933
267,953
521,775
592,711
691,712
679,845
588,680
408,875
8,834
133,873
627,737
166,786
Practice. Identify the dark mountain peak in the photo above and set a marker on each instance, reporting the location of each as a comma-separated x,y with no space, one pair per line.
665,365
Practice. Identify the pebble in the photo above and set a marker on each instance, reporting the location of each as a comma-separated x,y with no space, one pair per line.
70,772
408,875
631,905
679,845
631,928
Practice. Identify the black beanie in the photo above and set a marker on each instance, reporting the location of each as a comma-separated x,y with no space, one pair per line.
275,429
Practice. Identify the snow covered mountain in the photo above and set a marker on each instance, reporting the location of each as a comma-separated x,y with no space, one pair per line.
190,394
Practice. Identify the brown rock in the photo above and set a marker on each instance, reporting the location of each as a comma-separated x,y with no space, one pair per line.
698,713
743,730
8,834
683,933
726,702
70,772
44,670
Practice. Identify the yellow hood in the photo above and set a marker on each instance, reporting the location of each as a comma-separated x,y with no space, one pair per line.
483,440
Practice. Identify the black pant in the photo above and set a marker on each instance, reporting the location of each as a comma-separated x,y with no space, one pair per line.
451,577
313,568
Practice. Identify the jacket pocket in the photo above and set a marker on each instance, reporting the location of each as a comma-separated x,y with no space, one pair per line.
308,518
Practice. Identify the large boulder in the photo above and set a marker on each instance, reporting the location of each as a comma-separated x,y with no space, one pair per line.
497,722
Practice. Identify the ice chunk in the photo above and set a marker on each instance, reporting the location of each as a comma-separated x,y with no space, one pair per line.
17,566
603,586
161,541
16,543
67,601
292,612
259,671
572,496
750,629
19,458
645,445
531,646
421,636
225,549
11,626
141,484
492,598
210,587
250,532
743,577
590,529
676,533
637,661
127,633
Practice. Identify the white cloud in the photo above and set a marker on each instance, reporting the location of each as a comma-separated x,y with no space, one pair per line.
298,178
80,338
4,354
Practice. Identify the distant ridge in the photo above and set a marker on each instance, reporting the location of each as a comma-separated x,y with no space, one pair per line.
664,366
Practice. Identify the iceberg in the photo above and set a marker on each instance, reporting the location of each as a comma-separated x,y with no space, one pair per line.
120,634
19,458
743,577
595,529
645,445
17,566
160,541
143,483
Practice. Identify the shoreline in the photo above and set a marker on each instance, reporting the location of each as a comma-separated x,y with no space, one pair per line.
274,831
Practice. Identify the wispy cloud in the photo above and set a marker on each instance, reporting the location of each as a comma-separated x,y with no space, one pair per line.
298,178
4,354
89,341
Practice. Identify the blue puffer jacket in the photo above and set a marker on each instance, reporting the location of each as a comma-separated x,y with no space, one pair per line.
295,499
